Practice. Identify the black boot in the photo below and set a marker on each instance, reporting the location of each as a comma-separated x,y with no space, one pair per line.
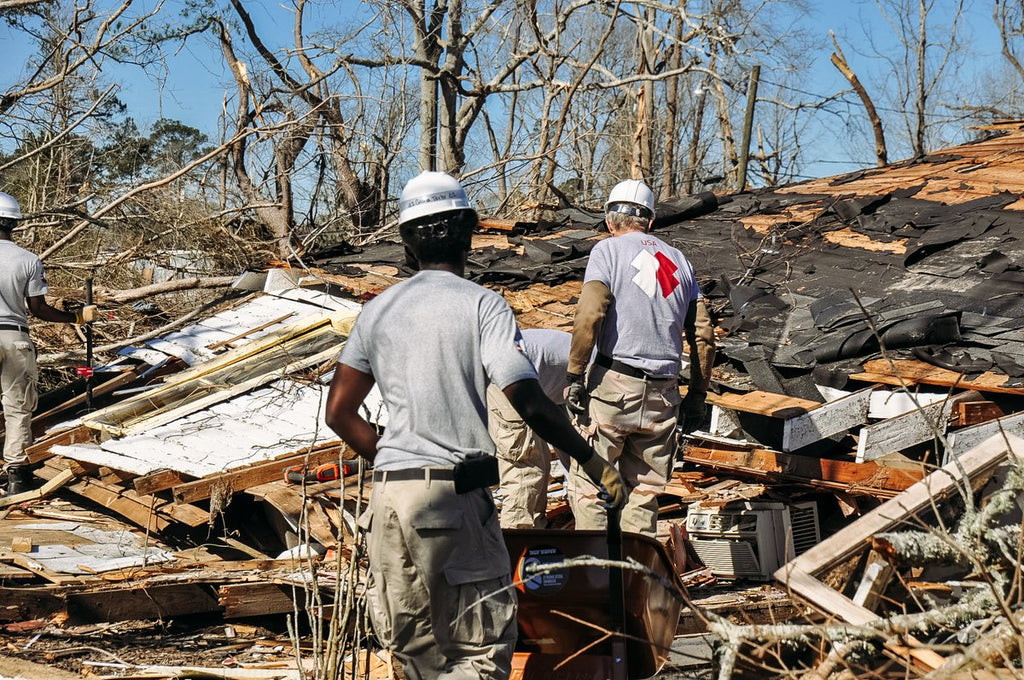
19,479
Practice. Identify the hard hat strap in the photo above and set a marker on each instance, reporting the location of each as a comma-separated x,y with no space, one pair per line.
630,209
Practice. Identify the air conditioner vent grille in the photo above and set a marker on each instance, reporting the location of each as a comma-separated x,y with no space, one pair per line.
728,557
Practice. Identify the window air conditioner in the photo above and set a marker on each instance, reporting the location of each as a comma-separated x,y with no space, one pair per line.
752,539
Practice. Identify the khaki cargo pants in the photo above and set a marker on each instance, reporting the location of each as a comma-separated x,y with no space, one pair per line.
634,422
439,571
18,388
524,465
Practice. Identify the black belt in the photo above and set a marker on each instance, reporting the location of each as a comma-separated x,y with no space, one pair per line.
13,327
626,369
408,474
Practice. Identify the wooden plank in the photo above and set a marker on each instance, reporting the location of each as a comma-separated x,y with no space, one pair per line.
51,485
40,450
911,428
148,601
870,479
877,576
827,420
241,600
969,437
261,473
159,481
910,372
763,403
932,489
289,348
185,513
499,224
125,503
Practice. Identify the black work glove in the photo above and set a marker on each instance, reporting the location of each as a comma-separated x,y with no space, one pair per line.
692,411
576,398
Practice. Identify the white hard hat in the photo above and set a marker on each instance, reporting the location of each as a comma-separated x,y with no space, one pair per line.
9,207
631,191
429,193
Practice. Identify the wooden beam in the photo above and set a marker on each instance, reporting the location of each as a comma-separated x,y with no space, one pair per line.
909,429
127,504
290,502
147,601
160,480
51,485
932,488
763,403
241,600
969,437
867,479
910,372
40,450
799,576
261,473
827,420
975,413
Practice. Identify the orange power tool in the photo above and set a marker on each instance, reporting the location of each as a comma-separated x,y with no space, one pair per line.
321,473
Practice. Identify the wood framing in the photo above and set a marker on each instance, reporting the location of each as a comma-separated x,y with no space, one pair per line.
910,372
799,576
909,429
869,479
243,478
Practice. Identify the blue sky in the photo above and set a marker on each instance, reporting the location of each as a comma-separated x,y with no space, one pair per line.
194,89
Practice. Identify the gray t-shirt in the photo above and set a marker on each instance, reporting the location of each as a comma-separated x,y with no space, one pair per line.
548,351
652,286
21,276
432,343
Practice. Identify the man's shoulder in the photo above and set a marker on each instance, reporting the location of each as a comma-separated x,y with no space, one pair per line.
12,249
18,259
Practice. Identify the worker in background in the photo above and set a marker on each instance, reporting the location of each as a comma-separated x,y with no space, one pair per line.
22,289
639,298
524,459
431,344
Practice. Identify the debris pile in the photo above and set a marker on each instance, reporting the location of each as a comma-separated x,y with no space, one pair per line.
868,387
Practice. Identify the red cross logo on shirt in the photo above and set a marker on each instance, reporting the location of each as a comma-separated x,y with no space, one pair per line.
655,271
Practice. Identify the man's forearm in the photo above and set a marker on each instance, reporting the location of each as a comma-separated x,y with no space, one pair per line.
701,339
358,434
590,312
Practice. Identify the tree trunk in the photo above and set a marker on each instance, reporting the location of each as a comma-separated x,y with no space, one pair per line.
642,154
922,91
669,172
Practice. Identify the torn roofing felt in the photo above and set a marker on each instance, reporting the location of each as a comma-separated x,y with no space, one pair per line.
924,258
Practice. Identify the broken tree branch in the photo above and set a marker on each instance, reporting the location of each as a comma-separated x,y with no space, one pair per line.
839,61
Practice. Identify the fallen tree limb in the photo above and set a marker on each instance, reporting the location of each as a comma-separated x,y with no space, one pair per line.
105,296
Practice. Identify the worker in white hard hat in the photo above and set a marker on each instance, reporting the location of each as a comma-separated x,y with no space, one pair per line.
22,290
439,569
639,301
